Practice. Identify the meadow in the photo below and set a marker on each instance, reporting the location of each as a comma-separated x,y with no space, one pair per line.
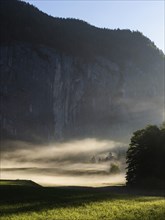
24,202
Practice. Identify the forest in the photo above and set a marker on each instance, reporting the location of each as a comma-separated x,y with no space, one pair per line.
23,22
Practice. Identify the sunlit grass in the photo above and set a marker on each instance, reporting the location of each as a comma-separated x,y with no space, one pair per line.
79,203
117,207
8,182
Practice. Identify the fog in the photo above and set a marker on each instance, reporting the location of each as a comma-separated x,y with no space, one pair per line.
83,162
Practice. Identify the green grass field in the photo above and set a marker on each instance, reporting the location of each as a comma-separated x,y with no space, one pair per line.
18,183
80,203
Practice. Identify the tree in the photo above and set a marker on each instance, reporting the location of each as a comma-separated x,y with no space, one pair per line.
114,169
146,157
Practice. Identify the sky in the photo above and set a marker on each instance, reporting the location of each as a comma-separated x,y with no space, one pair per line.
146,16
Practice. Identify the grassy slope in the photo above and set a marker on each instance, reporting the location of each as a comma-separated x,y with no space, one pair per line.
18,183
80,203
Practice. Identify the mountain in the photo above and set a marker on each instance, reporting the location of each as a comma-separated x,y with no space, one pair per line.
66,79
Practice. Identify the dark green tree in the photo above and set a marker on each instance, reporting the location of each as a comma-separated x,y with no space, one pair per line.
146,157
114,169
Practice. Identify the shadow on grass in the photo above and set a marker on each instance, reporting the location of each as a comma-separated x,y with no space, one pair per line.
17,199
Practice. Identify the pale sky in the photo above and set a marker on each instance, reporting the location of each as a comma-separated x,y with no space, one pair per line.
146,16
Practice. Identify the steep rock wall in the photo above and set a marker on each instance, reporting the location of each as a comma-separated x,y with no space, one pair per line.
48,96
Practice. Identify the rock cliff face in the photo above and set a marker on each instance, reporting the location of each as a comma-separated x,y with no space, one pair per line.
47,95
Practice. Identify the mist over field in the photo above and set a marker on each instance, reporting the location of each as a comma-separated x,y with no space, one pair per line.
81,162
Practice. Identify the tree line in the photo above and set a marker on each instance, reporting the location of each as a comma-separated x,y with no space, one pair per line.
23,22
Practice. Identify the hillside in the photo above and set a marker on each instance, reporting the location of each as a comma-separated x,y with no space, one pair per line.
17,183
64,79
23,22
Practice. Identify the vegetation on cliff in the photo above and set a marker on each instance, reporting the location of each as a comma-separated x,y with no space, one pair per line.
21,21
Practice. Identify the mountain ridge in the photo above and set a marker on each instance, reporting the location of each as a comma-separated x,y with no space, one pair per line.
63,78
